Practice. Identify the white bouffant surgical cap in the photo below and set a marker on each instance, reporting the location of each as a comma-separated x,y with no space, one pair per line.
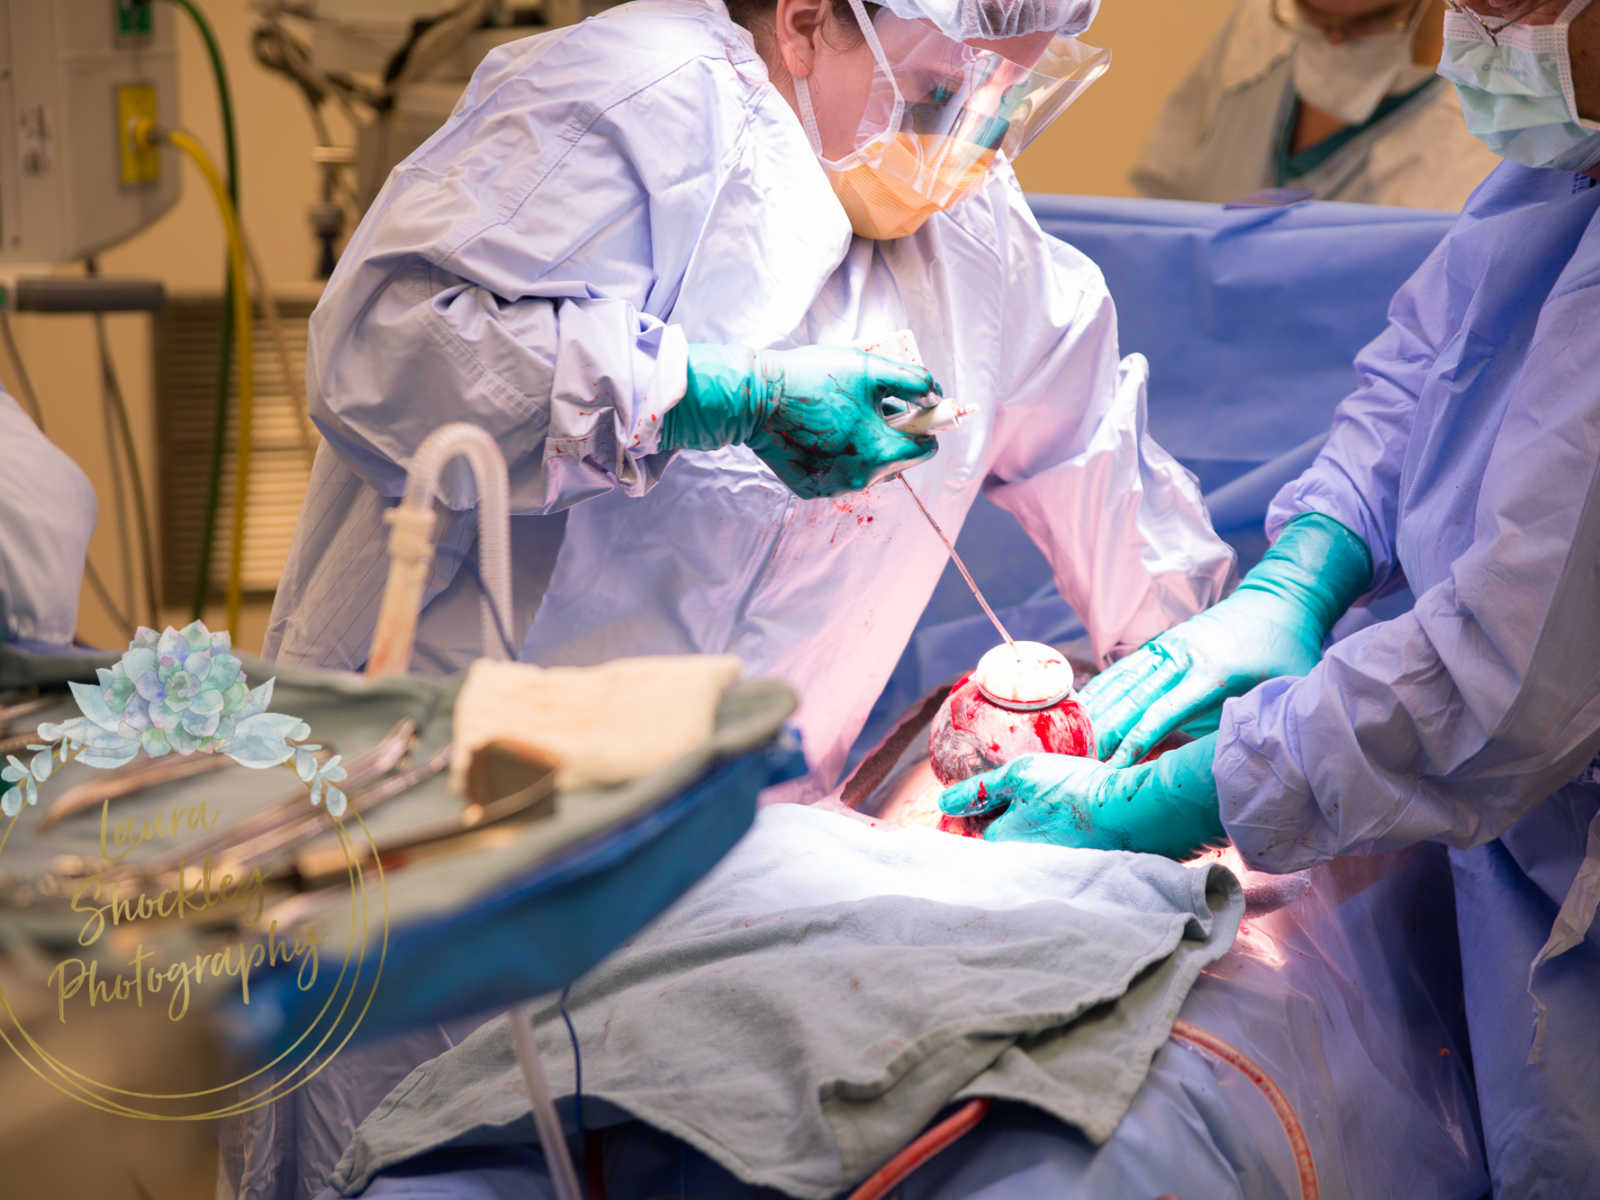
993,19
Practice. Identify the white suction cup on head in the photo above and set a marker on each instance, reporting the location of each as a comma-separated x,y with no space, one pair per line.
1026,675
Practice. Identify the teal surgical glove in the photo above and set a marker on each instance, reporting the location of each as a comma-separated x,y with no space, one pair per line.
1168,806
814,415
1273,624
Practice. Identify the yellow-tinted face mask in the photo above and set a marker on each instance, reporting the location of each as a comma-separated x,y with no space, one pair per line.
939,113
913,179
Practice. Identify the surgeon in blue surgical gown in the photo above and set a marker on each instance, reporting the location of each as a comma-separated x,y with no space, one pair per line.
1466,464
615,216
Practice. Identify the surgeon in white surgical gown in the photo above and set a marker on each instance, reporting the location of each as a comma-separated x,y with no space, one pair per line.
616,216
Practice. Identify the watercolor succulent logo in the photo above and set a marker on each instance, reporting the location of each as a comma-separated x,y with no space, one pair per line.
178,934
178,692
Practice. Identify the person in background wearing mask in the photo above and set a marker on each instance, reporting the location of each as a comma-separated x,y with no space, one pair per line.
1334,97
1467,464
639,254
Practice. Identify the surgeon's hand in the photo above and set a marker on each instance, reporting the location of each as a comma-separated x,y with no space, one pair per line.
1168,806
1273,624
815,415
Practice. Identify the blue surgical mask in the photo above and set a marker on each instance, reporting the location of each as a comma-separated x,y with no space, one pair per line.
1516,91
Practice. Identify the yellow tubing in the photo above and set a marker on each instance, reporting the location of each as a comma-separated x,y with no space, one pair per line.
144,134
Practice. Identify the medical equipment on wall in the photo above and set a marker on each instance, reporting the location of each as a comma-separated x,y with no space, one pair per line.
90,86
72,74
395,69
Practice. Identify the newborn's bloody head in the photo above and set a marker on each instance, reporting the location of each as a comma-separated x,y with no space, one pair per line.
972,734
976,730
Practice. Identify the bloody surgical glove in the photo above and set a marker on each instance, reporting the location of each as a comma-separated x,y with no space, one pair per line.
1273,624
1168,806
815,415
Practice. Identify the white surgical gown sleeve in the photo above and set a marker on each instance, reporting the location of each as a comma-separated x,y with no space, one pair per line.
1120,520
503,280
47,514
1449,722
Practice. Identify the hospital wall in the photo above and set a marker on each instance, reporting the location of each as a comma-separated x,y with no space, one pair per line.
1089,150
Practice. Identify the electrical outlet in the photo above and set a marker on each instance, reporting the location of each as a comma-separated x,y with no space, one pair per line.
140,166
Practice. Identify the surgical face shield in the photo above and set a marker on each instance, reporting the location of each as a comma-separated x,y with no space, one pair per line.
939,111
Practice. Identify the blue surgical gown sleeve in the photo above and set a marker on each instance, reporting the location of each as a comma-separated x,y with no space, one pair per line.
47,514
1356,477
1119,519
1453,720
508,272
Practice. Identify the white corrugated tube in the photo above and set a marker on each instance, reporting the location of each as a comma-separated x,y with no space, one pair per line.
410,555
411,544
